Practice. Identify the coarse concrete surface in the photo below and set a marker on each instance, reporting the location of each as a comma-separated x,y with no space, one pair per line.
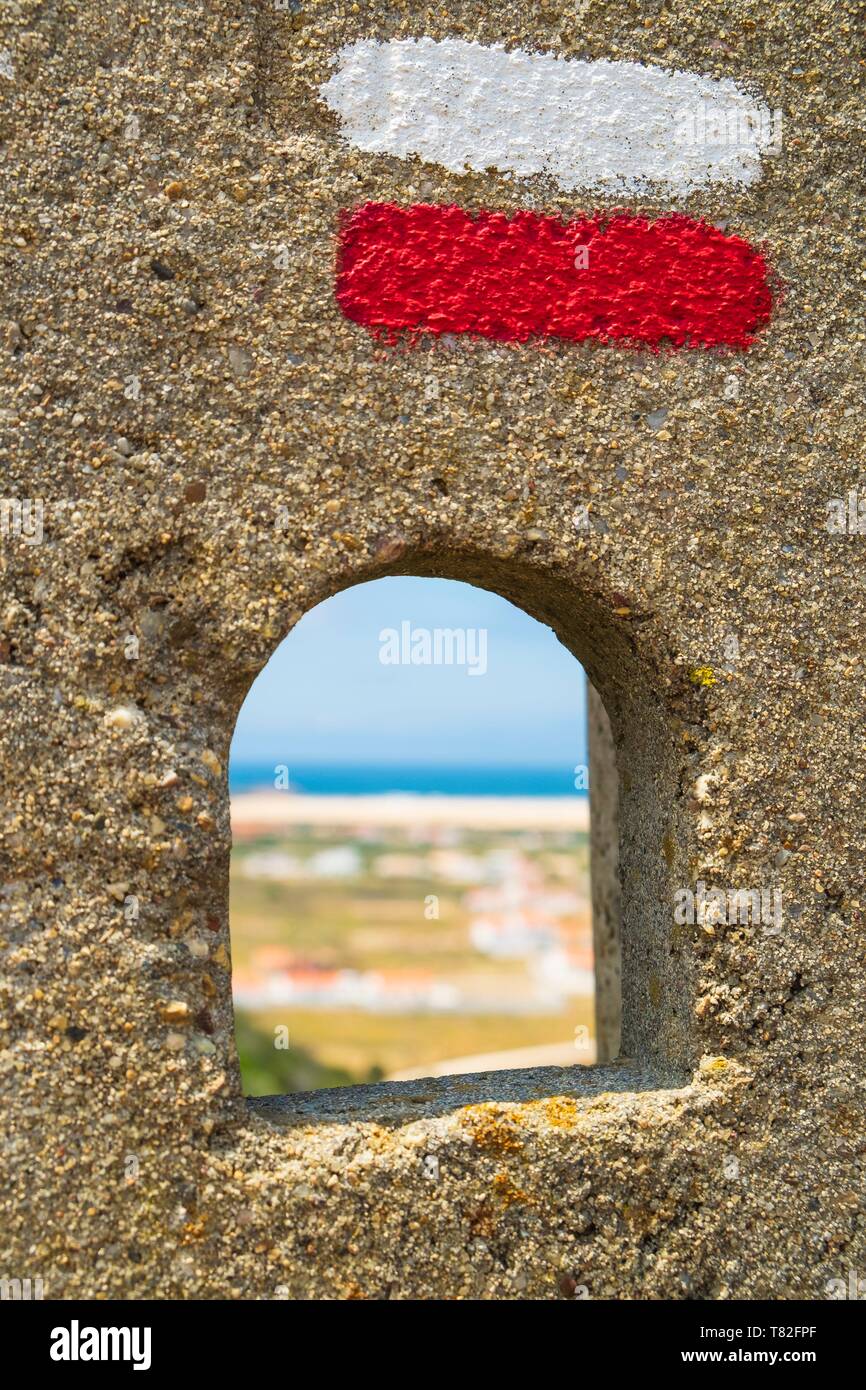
215,450
604,879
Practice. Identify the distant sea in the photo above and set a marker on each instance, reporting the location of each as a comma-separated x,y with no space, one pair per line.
335,780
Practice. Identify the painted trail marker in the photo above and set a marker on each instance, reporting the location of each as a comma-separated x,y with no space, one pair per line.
633,280
612,127
617,278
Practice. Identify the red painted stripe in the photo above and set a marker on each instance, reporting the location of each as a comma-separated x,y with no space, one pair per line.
427,269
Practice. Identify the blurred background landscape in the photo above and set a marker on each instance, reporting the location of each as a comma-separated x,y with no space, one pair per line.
410,886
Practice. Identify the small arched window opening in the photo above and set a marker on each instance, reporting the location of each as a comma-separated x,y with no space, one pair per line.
411,866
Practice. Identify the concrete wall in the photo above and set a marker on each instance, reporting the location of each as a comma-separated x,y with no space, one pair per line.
217,448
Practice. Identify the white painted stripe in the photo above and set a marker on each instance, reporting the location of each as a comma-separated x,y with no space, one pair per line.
611,126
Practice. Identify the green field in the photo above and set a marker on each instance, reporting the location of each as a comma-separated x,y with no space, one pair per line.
365,922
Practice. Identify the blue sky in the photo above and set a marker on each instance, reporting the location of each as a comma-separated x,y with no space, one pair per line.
326,697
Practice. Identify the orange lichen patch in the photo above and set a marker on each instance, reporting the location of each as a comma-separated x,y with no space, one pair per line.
507,1192
561,1111
493,1130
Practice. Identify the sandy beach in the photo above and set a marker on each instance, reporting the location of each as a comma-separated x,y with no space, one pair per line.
268,812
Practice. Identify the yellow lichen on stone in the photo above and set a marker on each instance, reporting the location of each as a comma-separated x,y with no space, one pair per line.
560,1111
493,1130
508,1193
712,1064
